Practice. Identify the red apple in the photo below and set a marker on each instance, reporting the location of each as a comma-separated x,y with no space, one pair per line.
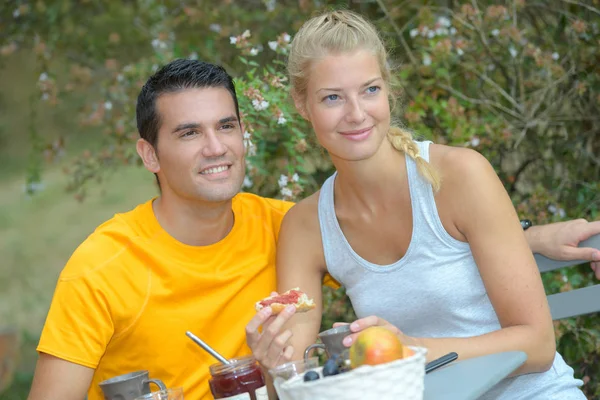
377,345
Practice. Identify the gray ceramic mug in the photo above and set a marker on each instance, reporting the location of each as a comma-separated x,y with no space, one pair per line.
332,341
129,386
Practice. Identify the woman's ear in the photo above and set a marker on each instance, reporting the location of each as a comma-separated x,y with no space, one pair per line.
147,153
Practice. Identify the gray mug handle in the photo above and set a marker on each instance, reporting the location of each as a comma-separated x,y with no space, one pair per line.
157,382
313,346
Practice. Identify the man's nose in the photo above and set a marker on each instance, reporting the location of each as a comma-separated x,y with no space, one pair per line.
213,147
355,112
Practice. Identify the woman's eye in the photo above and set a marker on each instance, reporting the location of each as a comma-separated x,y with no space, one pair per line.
331,98
373,89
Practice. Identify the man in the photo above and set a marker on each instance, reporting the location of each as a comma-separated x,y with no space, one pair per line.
195,258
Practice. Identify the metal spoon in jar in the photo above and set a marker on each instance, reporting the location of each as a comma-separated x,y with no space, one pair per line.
206,347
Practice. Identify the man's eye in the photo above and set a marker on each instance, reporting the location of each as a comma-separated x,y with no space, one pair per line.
188,133
228,127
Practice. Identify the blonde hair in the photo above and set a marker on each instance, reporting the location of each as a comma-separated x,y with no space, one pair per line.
343,31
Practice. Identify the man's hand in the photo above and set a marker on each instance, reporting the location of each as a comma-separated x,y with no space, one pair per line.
559,241
271,346
361,324
58,379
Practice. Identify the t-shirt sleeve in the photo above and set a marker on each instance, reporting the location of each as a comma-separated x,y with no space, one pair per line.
79,326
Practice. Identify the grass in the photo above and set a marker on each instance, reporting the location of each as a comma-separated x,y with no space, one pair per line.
38,233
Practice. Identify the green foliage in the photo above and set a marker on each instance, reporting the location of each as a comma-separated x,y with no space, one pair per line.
516,81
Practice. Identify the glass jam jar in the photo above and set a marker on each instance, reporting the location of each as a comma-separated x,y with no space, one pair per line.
242,379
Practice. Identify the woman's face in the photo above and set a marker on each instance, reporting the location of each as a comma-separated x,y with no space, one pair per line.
347,104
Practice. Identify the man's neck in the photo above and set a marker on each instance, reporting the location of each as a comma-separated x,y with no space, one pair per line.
194,223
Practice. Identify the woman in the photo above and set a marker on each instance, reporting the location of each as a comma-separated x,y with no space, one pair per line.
423,236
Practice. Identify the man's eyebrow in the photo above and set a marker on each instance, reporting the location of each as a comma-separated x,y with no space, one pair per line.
369,82
195,125
231,118
185,126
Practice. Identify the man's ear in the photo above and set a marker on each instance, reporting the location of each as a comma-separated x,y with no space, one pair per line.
300,106
147,153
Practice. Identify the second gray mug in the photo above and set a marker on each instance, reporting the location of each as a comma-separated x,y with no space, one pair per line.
129,386
332,341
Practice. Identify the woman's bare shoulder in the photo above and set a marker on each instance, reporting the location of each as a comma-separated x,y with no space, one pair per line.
457,163
304,215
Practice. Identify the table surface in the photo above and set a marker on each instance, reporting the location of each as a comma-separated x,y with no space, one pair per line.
469,379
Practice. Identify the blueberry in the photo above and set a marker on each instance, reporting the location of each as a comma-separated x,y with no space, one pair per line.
330,368
311,376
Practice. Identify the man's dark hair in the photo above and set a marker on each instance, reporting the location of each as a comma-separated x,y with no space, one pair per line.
180,74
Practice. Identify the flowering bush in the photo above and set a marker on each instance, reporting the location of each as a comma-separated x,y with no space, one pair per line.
516,81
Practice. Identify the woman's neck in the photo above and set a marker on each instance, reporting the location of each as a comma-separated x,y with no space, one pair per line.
373,182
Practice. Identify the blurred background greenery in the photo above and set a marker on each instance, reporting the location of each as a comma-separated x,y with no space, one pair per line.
516,80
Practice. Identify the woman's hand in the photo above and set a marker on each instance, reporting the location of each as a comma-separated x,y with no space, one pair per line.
270,346
361,324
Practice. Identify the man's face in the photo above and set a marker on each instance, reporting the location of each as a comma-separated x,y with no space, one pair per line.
200,149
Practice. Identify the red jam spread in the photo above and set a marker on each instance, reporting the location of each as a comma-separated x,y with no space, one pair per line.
287,298
242,376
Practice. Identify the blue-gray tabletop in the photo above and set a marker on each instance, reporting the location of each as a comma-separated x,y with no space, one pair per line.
469,379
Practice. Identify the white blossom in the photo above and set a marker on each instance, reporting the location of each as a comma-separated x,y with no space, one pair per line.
247,135
232,40
286,38
246,34
513,52
460,51
552,208
120,78
283,181
281,120
194,56
16,13
253,51
34,187
555,56
158,44
426,60
260,105
295,177
430,34
453,31
154,67
215,28
45,96
444,21
270,4
273,45
247,182
495,32
441,31
43,77
286,192
414,32
107,105
475,141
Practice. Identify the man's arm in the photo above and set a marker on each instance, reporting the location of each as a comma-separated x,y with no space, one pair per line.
559,241
57,379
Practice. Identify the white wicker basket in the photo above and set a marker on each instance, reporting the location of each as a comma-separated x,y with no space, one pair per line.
398,380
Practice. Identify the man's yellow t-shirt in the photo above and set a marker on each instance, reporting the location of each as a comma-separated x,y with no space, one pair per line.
130,292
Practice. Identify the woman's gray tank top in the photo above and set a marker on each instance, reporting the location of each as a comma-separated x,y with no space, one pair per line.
434,290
